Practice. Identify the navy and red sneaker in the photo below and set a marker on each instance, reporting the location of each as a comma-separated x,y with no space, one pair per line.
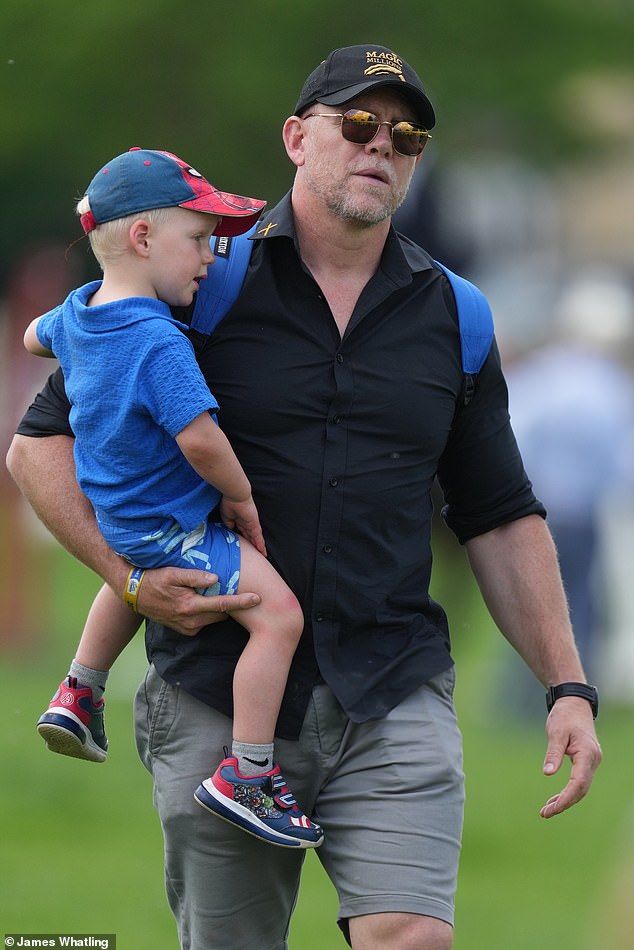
263,805
73,725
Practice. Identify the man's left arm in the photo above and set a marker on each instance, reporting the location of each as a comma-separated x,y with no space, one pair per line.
517,571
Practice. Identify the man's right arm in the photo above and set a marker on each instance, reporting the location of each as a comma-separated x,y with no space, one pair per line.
43,466
44,471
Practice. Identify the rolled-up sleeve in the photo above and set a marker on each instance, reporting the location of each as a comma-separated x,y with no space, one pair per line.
481,472
49,411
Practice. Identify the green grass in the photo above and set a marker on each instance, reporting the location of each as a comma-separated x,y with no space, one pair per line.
81,844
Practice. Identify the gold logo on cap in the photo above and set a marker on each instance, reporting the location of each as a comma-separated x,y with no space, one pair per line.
384,64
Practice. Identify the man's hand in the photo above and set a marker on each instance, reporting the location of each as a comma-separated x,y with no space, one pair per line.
168,595
570,731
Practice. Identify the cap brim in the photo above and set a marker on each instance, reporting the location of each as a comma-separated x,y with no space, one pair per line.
420,102
230,227
238,214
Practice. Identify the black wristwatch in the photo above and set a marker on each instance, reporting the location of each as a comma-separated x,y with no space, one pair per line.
583,690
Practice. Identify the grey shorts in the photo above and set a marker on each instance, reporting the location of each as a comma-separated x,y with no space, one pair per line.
388,793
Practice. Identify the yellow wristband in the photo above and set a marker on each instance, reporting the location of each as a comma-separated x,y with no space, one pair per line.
132,585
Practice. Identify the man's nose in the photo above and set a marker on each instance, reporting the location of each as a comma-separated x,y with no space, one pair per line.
382,141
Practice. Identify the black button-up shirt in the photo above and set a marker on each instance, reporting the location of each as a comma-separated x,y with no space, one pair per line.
342,439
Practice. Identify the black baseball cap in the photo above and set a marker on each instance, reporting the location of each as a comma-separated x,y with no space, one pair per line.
352,70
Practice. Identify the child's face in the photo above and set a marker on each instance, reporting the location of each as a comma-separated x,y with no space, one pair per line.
179,254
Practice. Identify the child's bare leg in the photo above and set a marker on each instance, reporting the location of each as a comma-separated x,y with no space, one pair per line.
254,795
274,628
73,724
110,626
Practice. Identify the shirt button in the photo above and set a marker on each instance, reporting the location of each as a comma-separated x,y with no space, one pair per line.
336,420
333,482
340,357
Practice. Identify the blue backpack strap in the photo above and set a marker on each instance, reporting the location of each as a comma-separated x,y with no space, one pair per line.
226,275
224,280
476,327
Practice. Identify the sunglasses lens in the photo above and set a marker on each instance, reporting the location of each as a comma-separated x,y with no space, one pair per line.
359,127
409,139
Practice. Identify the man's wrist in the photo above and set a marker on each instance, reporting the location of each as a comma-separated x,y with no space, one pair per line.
580,690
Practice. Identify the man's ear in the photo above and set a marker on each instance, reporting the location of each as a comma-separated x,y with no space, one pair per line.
139,237
293,136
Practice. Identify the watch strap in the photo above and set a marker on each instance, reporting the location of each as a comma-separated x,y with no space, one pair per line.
582,690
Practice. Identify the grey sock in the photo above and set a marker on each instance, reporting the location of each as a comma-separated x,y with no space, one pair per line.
253,759
95,679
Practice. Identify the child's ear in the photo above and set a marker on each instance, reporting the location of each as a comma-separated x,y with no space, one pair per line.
139,235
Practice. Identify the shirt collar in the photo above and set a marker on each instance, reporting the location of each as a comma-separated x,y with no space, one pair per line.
118,313
278,222
400,260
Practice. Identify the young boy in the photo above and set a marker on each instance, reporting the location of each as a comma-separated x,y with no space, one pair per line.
154,464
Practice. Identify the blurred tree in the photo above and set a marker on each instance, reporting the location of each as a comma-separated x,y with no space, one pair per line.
82,81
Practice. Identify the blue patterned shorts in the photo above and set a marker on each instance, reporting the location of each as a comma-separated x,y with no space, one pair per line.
209,547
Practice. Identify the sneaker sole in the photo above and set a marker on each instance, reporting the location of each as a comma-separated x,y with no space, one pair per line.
238,815
67,737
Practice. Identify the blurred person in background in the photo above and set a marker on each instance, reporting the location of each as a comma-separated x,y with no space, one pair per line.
423,218
339,378
39,276
572,410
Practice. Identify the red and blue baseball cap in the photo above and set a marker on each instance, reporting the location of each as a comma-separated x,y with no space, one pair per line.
143,179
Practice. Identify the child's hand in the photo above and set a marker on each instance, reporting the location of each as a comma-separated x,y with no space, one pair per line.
242,516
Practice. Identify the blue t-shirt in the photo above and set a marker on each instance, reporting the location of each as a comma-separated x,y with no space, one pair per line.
134,384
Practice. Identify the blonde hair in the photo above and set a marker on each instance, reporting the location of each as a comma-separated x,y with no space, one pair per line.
108,240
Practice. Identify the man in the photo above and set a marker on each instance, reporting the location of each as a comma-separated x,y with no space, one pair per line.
339,379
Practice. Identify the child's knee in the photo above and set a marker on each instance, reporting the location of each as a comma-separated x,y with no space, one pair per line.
290,616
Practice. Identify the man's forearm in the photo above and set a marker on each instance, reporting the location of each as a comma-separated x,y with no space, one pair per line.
44,471
517,570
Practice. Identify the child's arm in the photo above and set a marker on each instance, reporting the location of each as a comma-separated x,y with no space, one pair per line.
208,451
32,343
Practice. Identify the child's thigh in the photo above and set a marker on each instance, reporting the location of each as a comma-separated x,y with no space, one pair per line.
257,575
279,609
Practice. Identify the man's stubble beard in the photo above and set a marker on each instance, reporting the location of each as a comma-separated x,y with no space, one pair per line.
339,199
